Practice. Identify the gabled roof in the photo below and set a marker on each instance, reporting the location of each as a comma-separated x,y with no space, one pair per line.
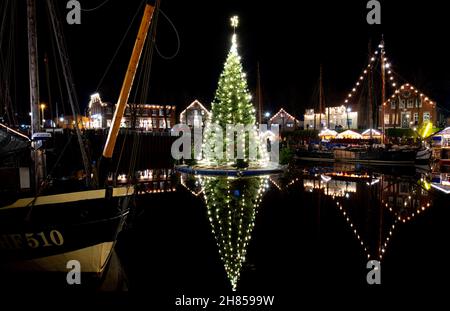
280,112
195,102
411,88
349,133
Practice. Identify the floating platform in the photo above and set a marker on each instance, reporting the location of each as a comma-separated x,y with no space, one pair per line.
211,171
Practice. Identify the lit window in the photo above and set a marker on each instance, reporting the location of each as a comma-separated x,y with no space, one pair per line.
386,118
426,116
410,103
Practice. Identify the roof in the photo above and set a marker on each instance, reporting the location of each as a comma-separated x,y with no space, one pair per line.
411,88
195,102
369,131
328,132
280,112
347,133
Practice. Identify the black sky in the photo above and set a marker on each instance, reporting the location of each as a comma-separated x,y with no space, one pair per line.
288,38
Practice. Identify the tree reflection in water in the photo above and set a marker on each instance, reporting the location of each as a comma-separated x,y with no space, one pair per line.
232,205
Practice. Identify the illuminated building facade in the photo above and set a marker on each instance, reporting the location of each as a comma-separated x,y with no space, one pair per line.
408,108
286,121
195,115
338,117
139,116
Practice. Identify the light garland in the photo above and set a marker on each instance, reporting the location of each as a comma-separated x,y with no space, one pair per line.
195,102
280,112
232,106
377,55
409,87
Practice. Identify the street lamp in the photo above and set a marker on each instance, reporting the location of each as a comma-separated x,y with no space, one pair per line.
42,113
348,119
266,117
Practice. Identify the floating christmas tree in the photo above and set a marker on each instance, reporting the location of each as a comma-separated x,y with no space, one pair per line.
232,106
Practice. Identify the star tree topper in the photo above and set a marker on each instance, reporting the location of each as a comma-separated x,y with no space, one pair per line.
234,23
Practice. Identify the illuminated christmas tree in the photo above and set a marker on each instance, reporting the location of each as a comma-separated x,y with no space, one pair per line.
232,105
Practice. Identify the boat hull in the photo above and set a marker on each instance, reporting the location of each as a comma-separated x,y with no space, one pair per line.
385,157
69,226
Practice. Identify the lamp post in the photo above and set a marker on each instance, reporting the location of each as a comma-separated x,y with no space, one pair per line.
348,119
42,106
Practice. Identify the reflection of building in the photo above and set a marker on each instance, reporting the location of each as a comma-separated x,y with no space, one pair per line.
141,116
338,117
285,121
333,188
409,108
150,180
195,115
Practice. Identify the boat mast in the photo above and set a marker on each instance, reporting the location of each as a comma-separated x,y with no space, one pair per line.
70,86
128,82
383,88
320,97
258,93
37,154
369,113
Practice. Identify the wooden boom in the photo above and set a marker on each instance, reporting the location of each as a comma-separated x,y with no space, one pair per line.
128,82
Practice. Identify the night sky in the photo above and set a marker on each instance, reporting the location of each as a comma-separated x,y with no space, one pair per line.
289,39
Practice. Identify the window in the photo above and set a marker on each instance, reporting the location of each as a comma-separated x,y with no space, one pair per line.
426,116
416,118
404,188
161,124
161,112
386,118
393,104
402,103
154,112
410,103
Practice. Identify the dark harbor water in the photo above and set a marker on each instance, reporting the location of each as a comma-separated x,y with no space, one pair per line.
314,227
307,226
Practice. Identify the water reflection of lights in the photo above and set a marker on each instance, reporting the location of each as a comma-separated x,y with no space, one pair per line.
404,211
194,189
325,178
334,188
149,181
351,175
441,182
232,206
440,188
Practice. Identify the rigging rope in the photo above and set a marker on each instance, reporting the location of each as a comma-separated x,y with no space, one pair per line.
178,40
120,45
97,7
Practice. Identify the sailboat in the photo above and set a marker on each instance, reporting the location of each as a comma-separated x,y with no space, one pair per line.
44,232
